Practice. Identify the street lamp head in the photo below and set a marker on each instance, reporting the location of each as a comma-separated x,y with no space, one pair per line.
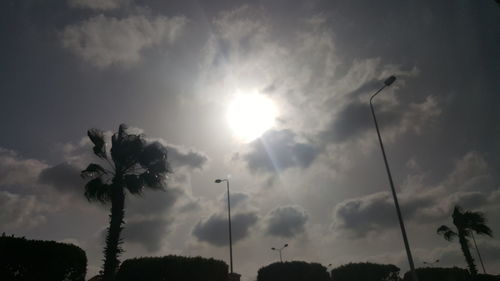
273,248
218,181
390,80
286,245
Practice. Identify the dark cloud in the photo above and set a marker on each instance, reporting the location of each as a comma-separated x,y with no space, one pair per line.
63,177
215,229
279,150
237,199
180,157
353,120
286,221
153,202
148,233
97,4
375,212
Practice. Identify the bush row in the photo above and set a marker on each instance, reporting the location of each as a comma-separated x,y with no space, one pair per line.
32,260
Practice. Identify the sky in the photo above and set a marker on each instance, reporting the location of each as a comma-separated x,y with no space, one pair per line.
311,177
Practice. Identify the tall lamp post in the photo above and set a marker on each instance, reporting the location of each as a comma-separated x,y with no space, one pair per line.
478,254
388,82
229,219
279,250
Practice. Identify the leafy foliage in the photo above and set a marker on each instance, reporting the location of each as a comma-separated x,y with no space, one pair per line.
32,260
447,233
174,268
133,165
439,274
365,272
293,271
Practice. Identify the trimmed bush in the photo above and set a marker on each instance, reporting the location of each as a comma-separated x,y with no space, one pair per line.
293,271
172,268
365,272
33,260
487,277
439,274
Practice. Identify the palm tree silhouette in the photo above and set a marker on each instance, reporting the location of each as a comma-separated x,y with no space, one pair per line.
132,164
466,222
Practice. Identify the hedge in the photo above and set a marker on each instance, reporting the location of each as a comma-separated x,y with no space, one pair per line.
172,268
293,271
365,272
33,260
448,274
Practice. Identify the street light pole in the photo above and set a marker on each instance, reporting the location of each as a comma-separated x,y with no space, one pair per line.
279,250
478,254
388,82
229,220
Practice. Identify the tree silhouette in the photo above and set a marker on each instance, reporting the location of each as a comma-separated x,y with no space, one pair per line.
466,222
132,164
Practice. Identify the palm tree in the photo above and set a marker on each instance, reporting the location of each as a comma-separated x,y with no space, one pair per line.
131,164
466,222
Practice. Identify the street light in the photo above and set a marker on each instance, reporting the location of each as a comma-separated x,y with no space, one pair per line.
279,250
388,82
229,219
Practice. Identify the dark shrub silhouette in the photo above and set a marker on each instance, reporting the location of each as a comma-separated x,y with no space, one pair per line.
33,260
466,222
487,277
293,271
132,165
172,268
365,272
439,274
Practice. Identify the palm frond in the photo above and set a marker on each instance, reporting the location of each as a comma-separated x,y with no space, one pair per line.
134,184
476,221
93,170
154,158
447,233
97,190
153,180
126,148
482,229
97,138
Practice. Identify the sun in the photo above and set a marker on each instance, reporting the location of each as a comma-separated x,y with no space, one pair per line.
250,115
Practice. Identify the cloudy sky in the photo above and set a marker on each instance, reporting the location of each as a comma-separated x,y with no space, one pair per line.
301,153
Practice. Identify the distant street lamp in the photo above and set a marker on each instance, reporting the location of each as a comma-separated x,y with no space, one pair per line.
229,219
388,82
279,250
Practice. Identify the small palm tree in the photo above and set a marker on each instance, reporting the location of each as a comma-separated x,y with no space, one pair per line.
131,164
466,222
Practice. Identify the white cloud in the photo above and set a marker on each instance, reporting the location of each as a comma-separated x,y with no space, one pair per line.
103,41
20,211
14,170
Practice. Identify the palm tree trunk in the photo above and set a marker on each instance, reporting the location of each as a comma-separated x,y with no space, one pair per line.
464,244
113,241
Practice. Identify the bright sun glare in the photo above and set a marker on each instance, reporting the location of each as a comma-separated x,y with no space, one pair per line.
250,115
